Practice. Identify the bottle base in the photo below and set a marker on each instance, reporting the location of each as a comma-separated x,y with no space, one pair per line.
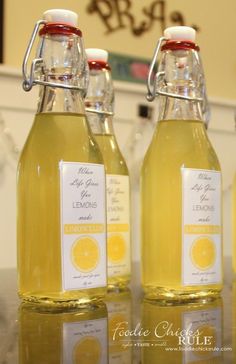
118,283
64,299
178,296
38,307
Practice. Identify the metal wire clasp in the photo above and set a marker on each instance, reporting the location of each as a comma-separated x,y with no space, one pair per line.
29,80
152,88
152,85
100,112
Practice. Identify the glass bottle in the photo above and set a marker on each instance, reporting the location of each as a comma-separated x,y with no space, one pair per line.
135,149
55,335
138,142
181,182
99,109
61,177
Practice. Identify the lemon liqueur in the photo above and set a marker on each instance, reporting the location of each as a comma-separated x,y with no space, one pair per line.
181,181
99,109
61,177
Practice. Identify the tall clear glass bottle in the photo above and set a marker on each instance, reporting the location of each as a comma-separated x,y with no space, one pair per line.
61,177
99,109
181,182
138,142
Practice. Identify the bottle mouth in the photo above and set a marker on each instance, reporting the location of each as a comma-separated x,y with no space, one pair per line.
175,45
59,28
98,65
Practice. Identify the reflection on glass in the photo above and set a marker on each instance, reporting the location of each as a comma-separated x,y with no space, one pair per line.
119,322
54,336
177,334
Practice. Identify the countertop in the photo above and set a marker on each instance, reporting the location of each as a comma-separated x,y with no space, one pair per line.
126,329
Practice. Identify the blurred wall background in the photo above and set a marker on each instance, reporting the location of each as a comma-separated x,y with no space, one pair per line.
215,19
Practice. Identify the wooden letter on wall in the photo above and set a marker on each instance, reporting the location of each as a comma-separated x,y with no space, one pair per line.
117,14
104,10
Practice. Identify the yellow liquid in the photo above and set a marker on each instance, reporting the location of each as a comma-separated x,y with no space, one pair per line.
165,323
63,336
54,137
175,144
114,164
234,223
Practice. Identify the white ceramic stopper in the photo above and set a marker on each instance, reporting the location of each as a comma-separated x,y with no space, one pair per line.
180,33
61,16
96,54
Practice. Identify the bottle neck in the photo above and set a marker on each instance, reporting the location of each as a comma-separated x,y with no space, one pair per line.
183,75
63,64
175,109
100,99
53,99
100,124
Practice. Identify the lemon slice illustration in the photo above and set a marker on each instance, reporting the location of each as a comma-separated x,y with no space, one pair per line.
203,253
116,248
87,351
85,254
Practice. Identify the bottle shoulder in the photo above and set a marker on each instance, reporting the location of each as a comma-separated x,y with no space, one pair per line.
113,159
182,143
60,136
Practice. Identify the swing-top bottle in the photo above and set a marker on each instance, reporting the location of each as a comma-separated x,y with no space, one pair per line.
181,181
61,177
99,109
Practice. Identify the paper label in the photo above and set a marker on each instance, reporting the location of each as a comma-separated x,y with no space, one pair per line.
202,227
118,225
85,342
83,225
